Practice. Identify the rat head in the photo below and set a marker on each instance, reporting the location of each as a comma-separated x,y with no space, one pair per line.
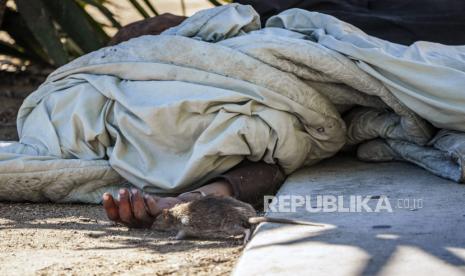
165,221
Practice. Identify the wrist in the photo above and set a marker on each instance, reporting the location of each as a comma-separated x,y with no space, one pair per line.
191,196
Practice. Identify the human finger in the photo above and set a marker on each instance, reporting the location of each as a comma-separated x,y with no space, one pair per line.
111,207
138,208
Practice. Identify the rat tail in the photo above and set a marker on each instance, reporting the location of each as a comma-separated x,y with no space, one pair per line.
256,220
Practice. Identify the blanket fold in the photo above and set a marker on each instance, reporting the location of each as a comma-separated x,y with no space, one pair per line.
168,113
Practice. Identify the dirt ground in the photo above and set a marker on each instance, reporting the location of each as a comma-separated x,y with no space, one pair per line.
14,87
57,239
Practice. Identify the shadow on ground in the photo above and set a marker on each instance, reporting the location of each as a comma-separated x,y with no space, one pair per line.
67,238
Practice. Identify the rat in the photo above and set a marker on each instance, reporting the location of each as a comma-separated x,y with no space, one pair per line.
215,217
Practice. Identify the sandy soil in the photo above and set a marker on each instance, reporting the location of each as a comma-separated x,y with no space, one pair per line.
54,239
14,87
8,110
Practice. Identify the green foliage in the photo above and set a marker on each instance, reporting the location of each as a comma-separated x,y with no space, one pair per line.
38,19
215,2
53,31
106,12
56,31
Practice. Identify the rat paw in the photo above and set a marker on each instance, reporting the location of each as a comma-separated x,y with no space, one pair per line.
181,235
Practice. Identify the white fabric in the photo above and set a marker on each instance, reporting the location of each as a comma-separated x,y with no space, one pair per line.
429,78
170,112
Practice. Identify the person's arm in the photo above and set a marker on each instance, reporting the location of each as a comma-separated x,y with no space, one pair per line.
248,182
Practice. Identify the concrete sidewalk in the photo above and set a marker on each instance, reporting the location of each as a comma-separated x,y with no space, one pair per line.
423,235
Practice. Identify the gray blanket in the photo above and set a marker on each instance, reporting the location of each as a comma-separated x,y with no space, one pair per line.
168,113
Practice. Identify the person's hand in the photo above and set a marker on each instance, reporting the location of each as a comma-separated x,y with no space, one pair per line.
134,210
150,26
137,211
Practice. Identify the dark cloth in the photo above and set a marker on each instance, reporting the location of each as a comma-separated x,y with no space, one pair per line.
250,181
150,26
399,21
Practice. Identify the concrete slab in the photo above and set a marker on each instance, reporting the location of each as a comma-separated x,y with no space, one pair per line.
423,235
